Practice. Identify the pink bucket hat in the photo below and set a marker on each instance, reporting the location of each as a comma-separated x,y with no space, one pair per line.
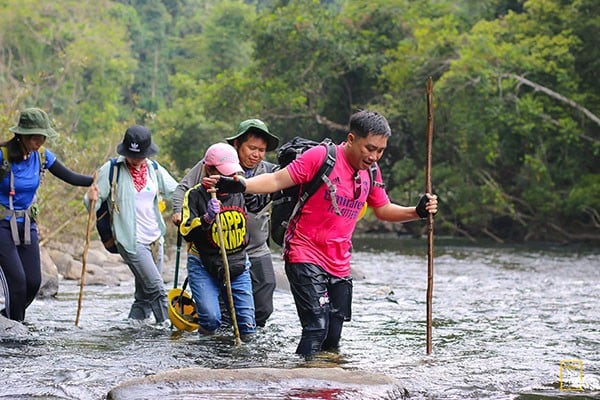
224,158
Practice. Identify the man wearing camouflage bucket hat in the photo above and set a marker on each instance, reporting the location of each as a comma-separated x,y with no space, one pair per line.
257,128
252,141
23,162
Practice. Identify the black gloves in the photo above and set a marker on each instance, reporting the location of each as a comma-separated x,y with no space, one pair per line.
228,184
421,210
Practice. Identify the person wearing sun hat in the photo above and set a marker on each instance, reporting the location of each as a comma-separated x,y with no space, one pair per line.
34,121
23,162
318,240
252,141
138,225
204,262
256,127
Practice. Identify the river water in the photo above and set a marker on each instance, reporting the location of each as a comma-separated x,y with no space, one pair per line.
504,317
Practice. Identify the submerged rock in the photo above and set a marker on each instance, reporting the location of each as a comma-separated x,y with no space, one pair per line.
12,330
260,383
49,285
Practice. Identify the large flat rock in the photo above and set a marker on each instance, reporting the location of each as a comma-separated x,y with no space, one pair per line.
260,383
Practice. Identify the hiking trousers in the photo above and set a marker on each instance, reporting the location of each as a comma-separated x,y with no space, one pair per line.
150,293
206,291
263,286
20,270
323,303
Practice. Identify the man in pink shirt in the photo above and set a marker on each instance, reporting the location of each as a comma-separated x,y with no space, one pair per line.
318,241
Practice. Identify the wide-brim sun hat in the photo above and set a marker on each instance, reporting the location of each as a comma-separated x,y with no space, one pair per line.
224,158
182,310
34,121
137,143
256,125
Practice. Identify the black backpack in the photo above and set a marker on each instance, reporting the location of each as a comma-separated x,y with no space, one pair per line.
103,216
287,202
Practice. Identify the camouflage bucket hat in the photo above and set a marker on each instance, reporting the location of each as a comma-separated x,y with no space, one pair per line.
34,121
255,125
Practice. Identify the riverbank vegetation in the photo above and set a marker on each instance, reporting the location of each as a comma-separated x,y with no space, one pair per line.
516,95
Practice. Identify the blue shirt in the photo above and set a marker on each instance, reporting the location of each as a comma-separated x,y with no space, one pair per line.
26,180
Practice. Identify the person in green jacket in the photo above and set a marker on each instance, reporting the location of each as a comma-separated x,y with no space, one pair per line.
137,223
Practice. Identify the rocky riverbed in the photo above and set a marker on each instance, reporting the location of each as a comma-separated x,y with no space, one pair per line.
64,261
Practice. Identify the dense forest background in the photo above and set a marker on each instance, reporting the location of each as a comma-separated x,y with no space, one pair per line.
516,94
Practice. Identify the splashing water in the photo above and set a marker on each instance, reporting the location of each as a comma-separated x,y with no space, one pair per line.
503,319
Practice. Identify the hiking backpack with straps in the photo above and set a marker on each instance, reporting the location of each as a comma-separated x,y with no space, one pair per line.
288,202
103,216
109,206
33,210
5,166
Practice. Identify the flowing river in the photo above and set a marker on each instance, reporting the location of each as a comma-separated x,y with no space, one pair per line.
504,318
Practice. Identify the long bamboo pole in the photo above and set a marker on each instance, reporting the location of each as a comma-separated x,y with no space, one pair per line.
236,330
428,189
90,223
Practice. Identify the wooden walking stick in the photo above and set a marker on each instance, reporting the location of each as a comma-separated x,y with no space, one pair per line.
90,223
236,331
428,189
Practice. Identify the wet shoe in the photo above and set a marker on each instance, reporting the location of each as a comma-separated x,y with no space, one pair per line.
203,332
247,337
166,324
136,323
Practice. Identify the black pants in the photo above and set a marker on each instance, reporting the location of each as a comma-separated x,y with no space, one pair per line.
323,303
20,271
263,286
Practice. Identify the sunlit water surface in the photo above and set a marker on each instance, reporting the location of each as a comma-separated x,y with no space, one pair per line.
503,319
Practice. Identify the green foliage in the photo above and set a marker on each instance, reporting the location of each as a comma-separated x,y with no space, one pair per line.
177,128
218,40
148,32
584,197
69,57
516,97
526,141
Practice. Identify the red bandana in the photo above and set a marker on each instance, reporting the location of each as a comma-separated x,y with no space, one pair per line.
139,176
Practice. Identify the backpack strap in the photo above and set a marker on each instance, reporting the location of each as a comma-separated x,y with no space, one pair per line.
5,167
43,161
322,176
373,175
373,183
13,217
6,164
161,203
32,210
113,177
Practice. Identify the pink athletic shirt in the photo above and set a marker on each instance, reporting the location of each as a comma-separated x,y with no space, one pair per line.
317,235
